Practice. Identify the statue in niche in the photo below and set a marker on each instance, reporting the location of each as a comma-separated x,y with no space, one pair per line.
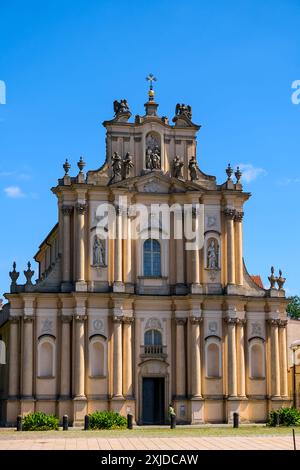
153,161
177,167
212,255
121,107
127,165
98,252
116,167
193,169
148,159
183,110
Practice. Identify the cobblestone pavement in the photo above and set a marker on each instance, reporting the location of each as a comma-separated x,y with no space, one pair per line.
153,443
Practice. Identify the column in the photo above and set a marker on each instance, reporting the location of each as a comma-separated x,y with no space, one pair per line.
128,267
196,357
239,248
180,358
241,353
179,262
195,259
79,369
117,358
27,363
67,211
179,245
127,357
118,275
283,358
275,364
230,214
65,364
13,381
231,357
81,210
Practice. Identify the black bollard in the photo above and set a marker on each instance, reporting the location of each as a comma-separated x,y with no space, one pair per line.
65,423
235,420
19,423
86,422
129,421
173,422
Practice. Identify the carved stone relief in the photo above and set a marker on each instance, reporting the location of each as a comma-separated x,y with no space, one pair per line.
47,326
153,324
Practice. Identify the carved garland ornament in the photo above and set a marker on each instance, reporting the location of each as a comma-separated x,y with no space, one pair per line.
153,324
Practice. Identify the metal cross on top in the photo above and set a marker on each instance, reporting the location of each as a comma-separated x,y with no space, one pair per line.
151,79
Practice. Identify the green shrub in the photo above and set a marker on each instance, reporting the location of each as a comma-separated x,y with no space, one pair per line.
107,420
39,422
284,417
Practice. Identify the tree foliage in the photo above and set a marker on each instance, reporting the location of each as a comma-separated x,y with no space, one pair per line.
293,308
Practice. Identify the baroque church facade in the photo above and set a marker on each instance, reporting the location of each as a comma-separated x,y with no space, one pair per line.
134,323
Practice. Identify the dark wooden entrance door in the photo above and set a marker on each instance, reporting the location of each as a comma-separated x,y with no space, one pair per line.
153,400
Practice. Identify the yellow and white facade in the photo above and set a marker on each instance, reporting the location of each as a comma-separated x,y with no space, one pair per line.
152,323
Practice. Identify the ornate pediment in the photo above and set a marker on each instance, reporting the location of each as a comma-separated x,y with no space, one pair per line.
156,182
153,184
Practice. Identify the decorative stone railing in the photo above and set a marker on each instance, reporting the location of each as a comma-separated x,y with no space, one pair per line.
153,350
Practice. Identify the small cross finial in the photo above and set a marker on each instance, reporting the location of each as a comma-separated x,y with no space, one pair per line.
150,78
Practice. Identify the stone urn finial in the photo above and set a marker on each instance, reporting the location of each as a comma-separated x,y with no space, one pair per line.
238,175
66,167
28,274
273,279
280,280
229,171
81,164
14,275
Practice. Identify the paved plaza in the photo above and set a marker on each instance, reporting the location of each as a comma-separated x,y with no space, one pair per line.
150,443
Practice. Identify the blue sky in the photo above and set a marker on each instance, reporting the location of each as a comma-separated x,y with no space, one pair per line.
64,62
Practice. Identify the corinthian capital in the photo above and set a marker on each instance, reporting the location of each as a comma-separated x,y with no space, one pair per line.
128,320
14,319
81,208
232,320
118,319
67,210
274,322
195,320
28,319
229,213
66,318
238,217
80,318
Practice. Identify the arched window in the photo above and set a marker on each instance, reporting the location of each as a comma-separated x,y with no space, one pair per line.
256,359
46,357
97,357
213,358
152,258
153,338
